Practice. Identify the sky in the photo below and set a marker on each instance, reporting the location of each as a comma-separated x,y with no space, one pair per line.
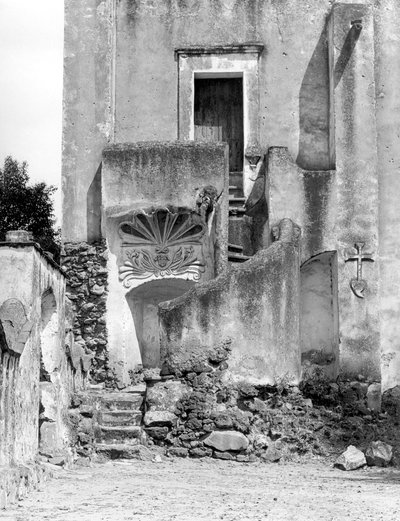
31,54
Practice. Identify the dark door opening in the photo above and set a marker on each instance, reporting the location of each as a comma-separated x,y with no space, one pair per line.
218,116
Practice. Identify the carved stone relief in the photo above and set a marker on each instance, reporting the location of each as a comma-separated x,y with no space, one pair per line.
16,326
162,242
286,231
206,201
357,284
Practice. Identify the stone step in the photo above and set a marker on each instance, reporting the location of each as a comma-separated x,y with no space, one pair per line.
121,401
127,435
236,211
235,191
120,418
139,388
235,248
236,179
237,257
121,451
236,201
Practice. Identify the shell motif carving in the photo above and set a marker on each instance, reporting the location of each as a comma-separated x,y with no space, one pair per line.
162,243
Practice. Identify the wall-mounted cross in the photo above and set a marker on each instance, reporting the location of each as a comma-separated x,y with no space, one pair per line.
358,285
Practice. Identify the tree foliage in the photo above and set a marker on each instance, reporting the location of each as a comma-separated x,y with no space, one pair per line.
25,206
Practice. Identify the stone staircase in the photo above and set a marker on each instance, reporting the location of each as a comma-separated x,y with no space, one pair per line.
236,218
118,429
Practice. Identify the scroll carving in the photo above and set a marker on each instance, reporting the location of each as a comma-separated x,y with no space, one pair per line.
162,243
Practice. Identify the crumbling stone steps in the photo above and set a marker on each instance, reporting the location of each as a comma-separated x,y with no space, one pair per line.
122,418
115,401
235,253
236,206
235,191
119,423
237,257
119,434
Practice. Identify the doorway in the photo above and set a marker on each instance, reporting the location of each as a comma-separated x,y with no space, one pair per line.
218,116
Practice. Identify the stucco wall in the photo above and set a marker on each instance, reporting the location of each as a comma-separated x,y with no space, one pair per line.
143,98
28,277
387,51
143,177
252,309
87,114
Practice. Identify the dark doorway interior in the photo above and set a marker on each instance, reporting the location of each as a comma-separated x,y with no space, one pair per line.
218,115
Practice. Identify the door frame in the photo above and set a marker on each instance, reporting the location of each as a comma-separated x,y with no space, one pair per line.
221,62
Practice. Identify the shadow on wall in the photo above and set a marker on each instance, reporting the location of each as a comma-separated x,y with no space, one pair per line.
48,335
143,302
314,102
346,52
93,202
319,323
48,403
314,110
9,363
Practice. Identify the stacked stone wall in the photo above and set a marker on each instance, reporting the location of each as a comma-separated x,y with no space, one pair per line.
196,410
85,266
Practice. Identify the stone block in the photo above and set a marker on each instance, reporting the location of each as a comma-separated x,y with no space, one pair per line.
159,419
49,439
227,440
123,418
200,452
351,459
272,455
260,441
374,397
59,461
222,455
163,396
379,454
158,433
48,400
179,452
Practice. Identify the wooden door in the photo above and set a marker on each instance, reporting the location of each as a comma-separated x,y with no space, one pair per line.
218,115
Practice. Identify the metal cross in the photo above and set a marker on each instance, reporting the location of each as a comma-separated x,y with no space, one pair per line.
359,257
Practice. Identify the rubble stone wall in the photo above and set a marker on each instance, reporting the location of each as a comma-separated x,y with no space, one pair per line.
85,266
202,414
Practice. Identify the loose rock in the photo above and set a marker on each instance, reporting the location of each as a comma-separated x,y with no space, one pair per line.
227,440
351,459
379,454
374,397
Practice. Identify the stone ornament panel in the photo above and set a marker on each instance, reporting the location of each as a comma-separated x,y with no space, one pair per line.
162,242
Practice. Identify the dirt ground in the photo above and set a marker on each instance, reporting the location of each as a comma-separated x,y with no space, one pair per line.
176,489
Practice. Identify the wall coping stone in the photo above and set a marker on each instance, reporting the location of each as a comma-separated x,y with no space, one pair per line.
239,48
38,248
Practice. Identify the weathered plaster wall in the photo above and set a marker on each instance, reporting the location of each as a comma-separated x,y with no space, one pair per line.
337,209
146,73
30,279
146,176
355,133
293,81
319,326
252,309
387,51
87,113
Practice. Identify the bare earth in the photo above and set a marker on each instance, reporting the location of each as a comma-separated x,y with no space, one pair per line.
176,489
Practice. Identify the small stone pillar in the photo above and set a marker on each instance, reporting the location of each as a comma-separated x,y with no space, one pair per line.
19,236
